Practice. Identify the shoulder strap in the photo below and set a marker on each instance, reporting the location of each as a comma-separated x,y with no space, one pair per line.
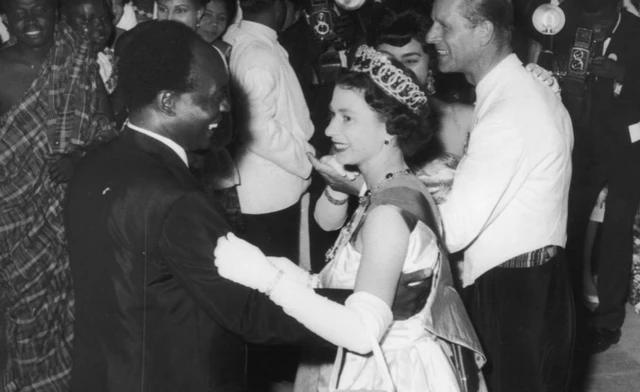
410,201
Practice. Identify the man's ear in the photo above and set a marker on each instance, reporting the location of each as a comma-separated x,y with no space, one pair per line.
280,10
200,14
166,102
485,30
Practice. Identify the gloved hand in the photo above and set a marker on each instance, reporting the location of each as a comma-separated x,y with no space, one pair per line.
339,168
412,293
335,175
294,272
243,263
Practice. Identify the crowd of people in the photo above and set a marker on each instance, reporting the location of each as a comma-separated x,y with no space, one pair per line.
281,195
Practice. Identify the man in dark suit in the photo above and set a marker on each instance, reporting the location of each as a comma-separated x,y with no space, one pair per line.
604,102
152,313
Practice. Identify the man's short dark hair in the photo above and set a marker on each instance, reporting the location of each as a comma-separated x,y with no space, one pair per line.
157,57
3,5
70,3
66,5
231,6
256,6
498,12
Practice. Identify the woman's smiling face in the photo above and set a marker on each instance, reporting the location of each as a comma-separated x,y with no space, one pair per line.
214,21
356,130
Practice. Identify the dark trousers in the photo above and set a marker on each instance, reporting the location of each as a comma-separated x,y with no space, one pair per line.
525,320
276,234
614,257
601,160
587,180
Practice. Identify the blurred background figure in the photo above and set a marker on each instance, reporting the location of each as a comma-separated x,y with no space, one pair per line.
597,59
53,108
93,19
124,16
218,15
188,12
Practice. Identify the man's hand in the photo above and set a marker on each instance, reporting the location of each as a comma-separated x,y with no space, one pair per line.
62,169
412,293
603,67
336,176
544,76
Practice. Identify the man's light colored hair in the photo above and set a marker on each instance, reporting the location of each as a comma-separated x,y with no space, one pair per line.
499,12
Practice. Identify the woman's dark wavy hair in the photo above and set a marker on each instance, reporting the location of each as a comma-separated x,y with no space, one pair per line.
398,29
412,129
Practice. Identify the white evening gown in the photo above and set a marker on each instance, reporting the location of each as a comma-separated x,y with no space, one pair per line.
416,361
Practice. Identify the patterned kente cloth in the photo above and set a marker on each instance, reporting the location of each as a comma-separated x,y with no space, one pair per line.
56,115
634,292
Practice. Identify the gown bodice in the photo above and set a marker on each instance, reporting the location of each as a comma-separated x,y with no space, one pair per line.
413,355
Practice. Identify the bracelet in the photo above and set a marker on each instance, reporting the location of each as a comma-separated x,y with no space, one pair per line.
334,201
274,283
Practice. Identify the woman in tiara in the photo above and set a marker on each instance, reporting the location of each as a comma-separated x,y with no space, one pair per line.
400,35
380,118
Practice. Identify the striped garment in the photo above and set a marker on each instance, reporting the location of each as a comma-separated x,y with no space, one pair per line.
57,115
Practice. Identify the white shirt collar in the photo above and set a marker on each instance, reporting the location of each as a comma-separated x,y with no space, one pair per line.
166,141
258,29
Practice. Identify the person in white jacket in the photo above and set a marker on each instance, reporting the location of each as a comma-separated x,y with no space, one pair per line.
273,128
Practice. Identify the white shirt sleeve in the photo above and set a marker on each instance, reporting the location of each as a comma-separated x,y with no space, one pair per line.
4,33
268,137
484,182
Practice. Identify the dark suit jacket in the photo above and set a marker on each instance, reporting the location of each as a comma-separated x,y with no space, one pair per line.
152,313
609,115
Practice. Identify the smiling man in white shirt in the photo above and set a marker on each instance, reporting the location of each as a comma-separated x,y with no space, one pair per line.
273,128
507,210
273,125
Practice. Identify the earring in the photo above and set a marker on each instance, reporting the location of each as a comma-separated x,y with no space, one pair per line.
387,142
431,83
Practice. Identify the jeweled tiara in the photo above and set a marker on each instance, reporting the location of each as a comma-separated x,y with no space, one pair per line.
390,78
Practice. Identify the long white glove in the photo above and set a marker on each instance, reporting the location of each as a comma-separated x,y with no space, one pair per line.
244,263
342,325
295,273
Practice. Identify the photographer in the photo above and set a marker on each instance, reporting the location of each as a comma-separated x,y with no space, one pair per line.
596,54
